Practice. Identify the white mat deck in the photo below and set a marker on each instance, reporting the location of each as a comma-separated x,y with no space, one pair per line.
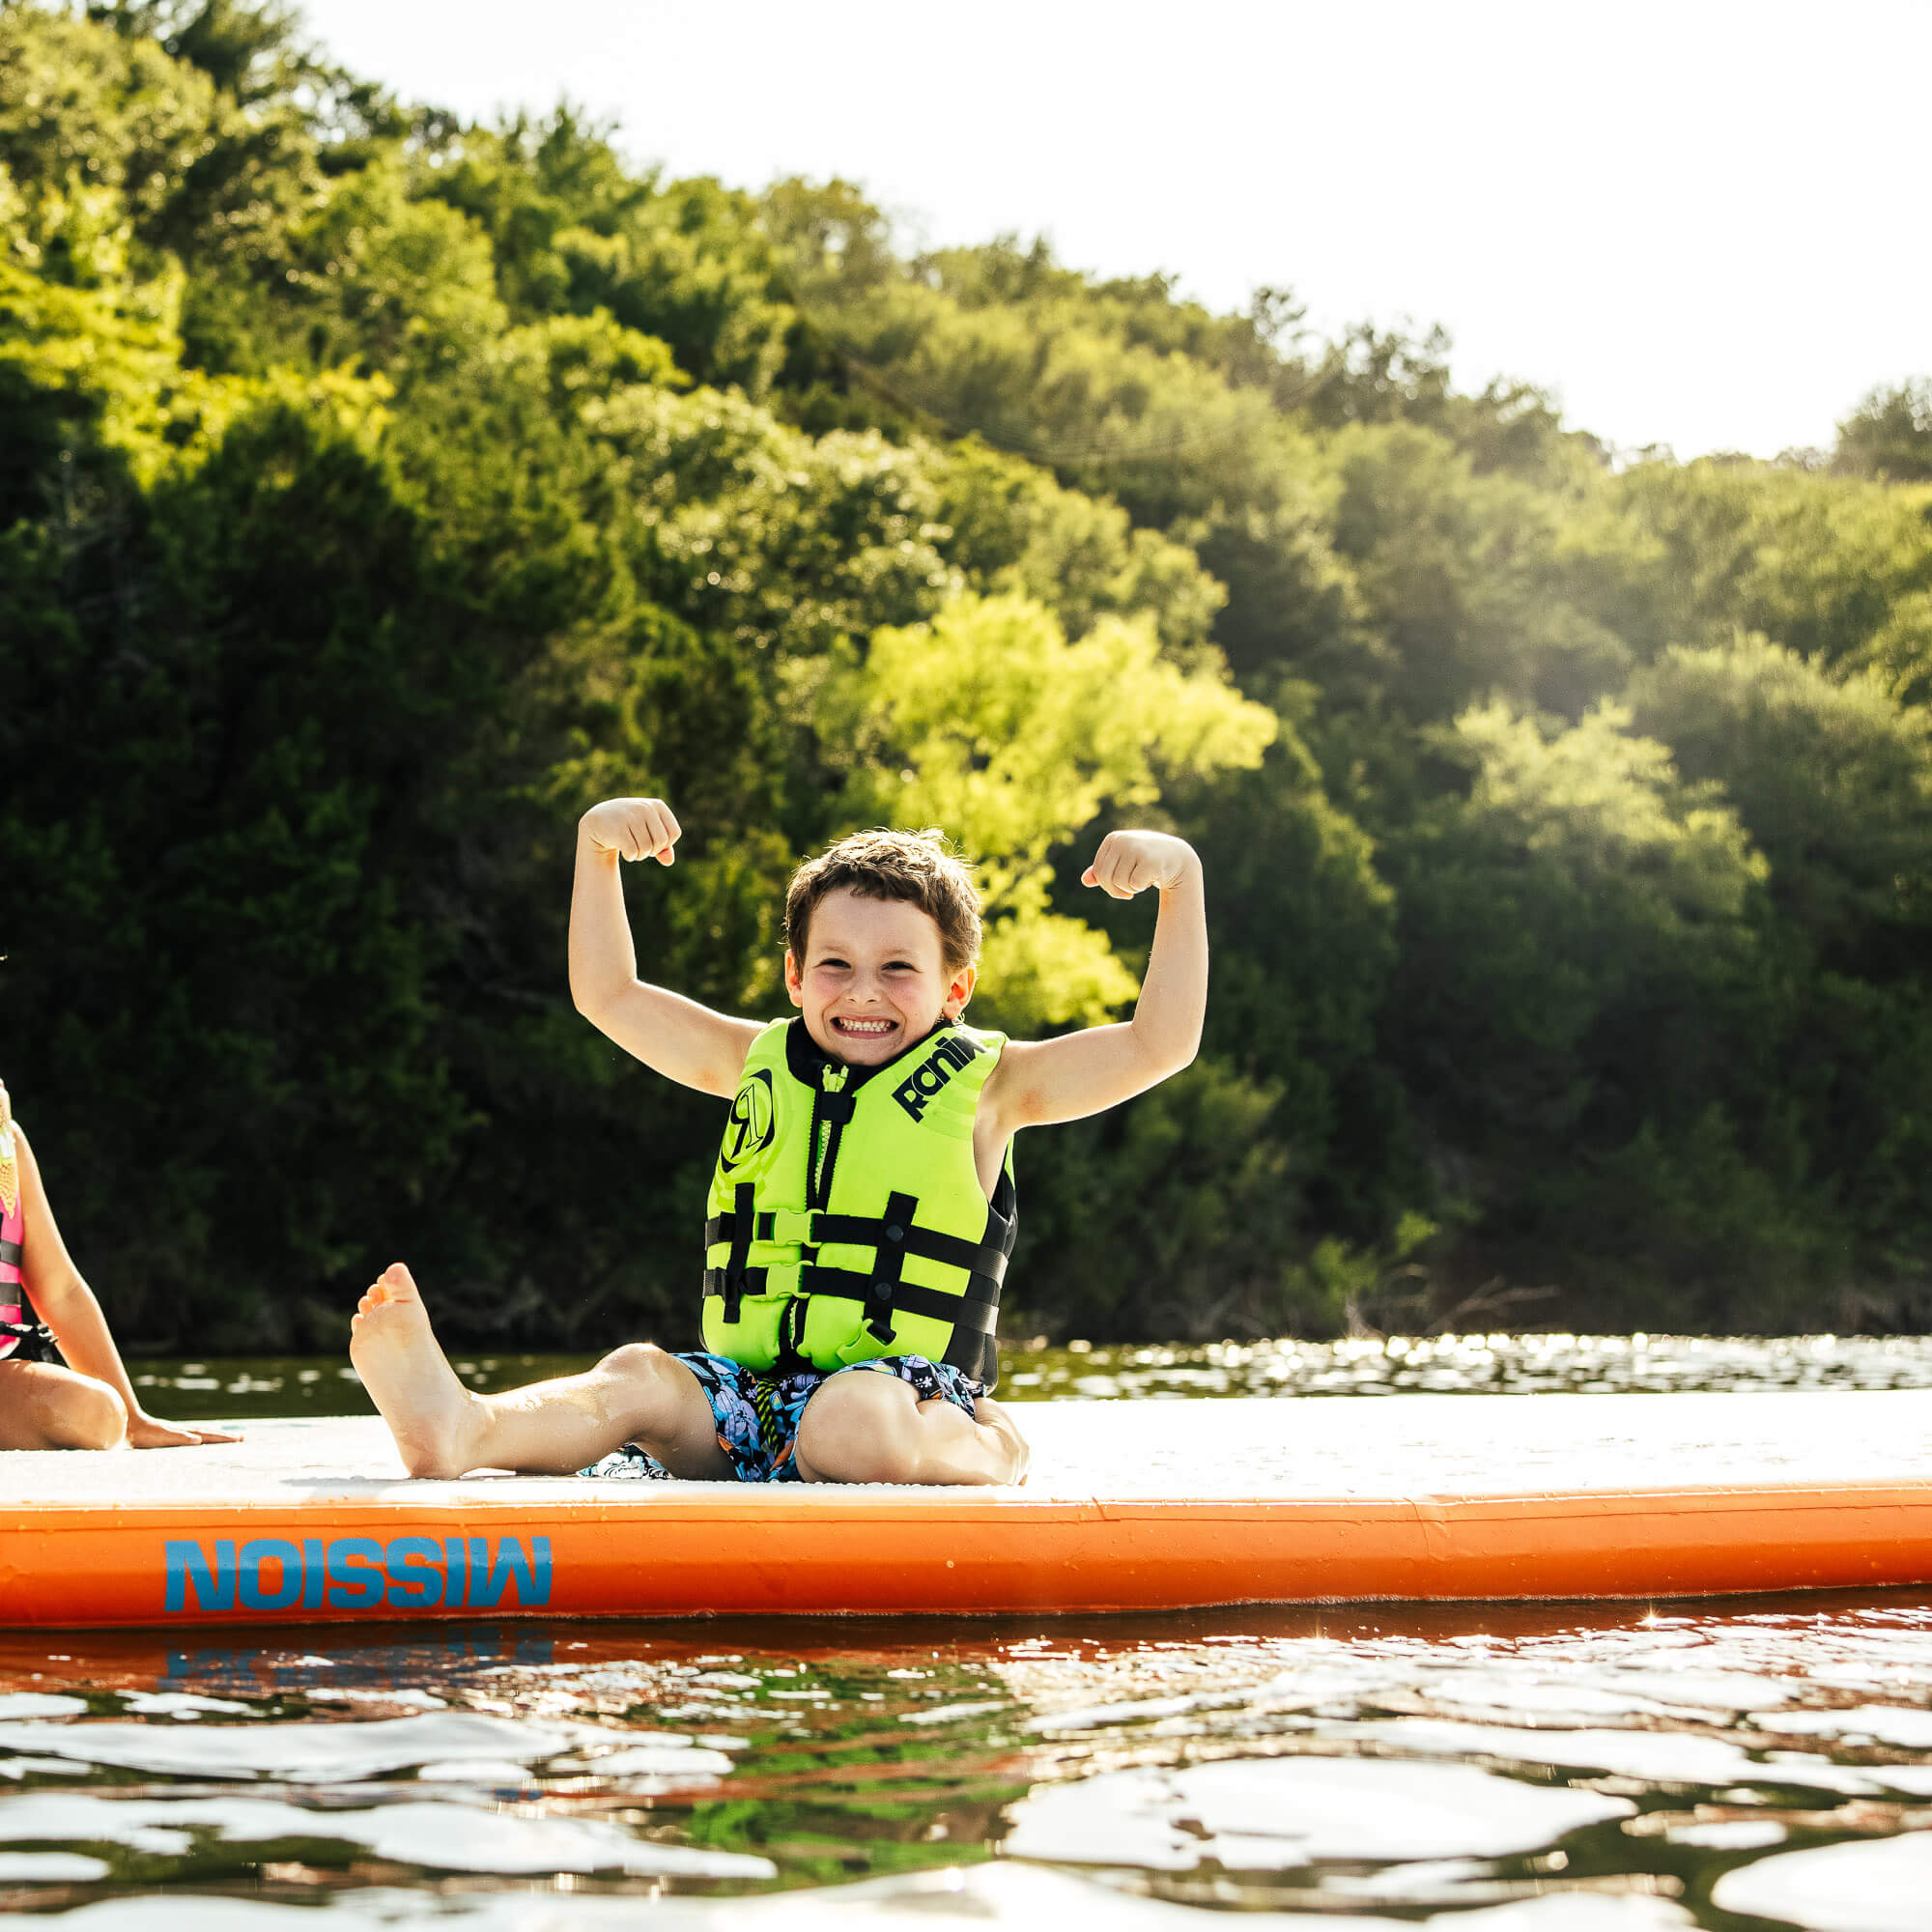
1274,1450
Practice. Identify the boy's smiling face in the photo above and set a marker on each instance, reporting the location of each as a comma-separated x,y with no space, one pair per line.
873,979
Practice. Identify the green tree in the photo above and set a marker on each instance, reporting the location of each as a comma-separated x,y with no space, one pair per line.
989,722
1577,966
1832,779
1889,434
1479,586
1818,563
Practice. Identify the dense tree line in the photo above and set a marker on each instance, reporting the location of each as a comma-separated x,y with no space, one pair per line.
376,491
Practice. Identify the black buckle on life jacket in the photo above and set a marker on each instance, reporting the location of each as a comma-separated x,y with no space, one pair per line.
33,1342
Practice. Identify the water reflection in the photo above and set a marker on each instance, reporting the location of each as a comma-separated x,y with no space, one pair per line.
1768,1763
1392,1365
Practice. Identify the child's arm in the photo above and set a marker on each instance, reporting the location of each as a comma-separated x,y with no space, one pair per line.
671,1035
62,1298
1081,1073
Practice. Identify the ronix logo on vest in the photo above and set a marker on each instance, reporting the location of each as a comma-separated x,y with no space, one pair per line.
752,1120
357,1573
933,1072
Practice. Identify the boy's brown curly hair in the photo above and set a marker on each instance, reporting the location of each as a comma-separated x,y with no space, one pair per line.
917,868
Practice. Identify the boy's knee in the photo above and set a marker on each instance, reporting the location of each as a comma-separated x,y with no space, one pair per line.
860,1428
641,1362
89,1415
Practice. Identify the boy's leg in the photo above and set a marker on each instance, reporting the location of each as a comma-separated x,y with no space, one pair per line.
43,1405
635,1394
873,1427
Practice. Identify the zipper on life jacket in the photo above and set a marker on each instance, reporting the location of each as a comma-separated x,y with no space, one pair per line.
831,1109
827,1125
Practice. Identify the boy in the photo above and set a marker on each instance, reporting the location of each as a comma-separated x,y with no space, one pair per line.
862,1209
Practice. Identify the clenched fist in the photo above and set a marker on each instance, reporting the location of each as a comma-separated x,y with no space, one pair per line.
1131,862
633,827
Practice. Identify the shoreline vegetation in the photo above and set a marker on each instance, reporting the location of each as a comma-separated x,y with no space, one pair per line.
377,490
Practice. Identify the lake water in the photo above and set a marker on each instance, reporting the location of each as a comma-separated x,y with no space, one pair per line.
1752,1764
1398,1365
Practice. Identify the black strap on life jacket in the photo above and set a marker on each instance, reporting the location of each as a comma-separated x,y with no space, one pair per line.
734,1284
34,1342
976,1309
888,1258
750,1281
982,1261
12,1254
875,1232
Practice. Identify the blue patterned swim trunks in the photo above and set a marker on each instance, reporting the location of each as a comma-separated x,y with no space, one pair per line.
758,1414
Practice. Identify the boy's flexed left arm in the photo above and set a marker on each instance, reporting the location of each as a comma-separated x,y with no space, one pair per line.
1081,1073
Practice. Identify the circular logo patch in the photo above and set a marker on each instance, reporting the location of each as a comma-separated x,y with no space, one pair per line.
750,1132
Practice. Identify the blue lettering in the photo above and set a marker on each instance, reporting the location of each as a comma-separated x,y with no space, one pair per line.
255,1594
353,1573
531,1573
187,1563
414,1582
344,1550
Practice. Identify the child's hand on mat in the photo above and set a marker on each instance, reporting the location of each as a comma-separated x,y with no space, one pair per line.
633,827
1131,862
149,1432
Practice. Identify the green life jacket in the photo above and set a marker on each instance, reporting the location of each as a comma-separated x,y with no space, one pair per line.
846,1220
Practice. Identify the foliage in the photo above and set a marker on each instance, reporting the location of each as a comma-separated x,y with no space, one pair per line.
989,722
1889,434
1831,775
1818,563
376,491
1580,900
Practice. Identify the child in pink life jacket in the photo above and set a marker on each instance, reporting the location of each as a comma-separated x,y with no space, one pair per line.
85,1401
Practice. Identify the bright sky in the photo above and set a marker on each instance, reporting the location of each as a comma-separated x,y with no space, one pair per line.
1700,223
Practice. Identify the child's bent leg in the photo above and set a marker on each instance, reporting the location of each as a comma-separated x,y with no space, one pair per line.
43,1405
635,1394
874,1428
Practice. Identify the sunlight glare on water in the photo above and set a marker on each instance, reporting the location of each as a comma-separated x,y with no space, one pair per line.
1626,1768
1081,1371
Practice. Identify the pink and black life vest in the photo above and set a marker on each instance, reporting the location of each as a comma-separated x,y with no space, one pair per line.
13,1312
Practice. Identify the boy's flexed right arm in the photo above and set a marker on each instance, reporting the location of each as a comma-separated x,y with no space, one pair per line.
674,1036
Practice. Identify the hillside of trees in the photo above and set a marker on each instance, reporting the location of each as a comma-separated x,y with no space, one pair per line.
378,491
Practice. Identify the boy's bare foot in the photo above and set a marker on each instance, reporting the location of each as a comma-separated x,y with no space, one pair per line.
433,1418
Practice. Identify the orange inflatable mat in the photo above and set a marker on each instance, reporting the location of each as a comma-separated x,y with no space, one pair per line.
1132,1506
